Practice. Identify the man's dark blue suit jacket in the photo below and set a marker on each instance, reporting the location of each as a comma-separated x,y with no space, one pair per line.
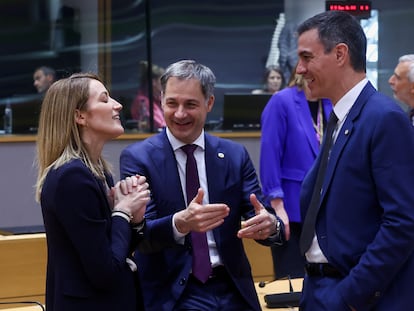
164,266
365,225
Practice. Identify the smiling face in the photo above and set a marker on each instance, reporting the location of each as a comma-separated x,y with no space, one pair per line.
185,108
100,120
401,86
319,69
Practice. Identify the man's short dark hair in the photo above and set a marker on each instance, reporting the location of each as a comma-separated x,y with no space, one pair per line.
336,27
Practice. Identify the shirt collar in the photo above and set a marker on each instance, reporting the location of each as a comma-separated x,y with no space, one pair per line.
343,106
177,144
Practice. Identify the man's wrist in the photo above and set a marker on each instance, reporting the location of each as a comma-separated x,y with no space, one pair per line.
276,226
180,224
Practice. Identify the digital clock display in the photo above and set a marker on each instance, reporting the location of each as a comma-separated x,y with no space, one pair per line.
361,9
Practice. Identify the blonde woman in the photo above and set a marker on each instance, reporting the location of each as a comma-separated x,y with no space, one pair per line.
89,222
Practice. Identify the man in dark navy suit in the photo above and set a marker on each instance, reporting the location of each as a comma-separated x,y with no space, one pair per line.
228,192
360,246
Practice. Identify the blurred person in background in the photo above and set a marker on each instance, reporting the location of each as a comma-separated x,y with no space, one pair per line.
43,77
273,81
402,83
293,124
140,108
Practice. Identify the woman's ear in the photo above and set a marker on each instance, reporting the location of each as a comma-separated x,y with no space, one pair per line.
79,117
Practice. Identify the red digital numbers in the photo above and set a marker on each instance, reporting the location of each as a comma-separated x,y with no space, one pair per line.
361,9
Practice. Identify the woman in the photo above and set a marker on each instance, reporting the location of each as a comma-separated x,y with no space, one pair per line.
292,128
273,81
89,222
140,108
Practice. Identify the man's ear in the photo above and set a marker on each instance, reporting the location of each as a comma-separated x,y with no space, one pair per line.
210,103
50,78
79,117
341,53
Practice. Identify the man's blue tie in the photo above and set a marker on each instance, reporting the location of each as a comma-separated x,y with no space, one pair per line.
308,230
201,258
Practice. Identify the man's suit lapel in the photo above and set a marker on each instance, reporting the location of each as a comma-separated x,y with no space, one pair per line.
345,133
163,160
216,159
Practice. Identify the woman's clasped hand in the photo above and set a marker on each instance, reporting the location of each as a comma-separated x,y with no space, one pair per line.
131,196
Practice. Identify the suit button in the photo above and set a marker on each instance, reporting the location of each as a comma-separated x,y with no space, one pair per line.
182,281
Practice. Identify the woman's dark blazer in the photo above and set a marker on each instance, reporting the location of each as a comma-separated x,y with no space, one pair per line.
87,248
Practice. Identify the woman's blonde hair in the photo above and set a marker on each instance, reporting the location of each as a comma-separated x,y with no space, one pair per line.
297,80
58,138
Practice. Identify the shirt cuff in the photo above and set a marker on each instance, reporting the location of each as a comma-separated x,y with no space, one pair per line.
178,236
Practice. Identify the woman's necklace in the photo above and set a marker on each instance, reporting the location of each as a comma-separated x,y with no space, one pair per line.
318,125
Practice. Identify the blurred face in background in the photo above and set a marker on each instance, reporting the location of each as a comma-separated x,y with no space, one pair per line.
41,81
401,86
274,81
